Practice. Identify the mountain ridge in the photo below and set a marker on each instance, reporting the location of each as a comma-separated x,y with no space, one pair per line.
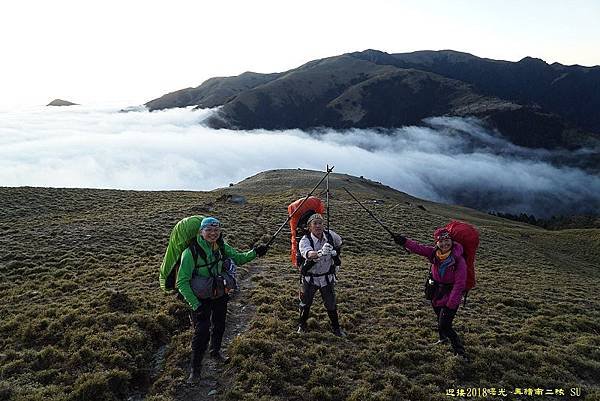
529,101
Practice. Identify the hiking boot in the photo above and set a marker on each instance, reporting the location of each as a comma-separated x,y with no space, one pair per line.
194,377
462,356
338,332
335,323
440,341
218,356
302,328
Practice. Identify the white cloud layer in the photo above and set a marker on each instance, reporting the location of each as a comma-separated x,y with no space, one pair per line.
450,160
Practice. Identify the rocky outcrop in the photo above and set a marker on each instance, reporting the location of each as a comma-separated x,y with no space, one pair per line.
60,102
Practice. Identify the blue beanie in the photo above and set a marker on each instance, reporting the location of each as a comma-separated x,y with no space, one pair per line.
209,221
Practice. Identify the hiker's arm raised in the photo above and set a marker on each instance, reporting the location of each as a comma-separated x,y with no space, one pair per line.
239,257
419,249
184,276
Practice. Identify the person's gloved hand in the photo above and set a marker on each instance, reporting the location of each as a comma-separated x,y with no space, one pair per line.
326,250
261,250
399,239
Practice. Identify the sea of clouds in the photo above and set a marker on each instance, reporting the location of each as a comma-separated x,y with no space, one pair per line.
451,160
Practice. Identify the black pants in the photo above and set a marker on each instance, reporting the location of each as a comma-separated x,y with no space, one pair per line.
309,291
445,317
328,295
211,310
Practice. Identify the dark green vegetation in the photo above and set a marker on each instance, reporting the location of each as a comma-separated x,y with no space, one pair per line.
83,318
530,102
554,223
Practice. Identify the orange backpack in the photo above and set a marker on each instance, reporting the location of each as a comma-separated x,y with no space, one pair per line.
298,223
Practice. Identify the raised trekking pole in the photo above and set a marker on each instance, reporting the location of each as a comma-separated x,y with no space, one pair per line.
370,213
329,170
327,197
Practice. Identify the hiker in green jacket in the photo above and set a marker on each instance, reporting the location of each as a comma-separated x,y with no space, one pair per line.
204,282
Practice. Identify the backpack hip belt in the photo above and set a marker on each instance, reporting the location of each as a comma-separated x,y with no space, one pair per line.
435,289
327,274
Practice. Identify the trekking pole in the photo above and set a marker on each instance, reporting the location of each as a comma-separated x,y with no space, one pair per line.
329,170
370,213
327,197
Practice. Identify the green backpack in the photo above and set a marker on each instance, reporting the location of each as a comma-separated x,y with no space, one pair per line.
182,235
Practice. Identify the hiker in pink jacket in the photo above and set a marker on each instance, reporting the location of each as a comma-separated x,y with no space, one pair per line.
446,284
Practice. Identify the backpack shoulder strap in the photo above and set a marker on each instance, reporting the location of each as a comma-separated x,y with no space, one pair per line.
330,241
197,250
329,238
221,244
310,240
335,260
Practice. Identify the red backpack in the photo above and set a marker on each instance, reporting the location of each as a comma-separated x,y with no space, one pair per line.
298,222
468,237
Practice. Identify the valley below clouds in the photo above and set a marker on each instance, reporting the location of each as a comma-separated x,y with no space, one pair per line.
450,160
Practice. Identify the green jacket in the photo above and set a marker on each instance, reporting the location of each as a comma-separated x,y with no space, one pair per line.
187,267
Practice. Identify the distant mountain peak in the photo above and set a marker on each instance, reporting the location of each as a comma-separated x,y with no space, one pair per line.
375,56
60,102
532,61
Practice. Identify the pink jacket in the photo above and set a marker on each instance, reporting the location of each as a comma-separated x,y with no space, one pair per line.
455,274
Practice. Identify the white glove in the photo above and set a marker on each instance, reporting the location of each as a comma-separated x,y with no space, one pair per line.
324,252
333,253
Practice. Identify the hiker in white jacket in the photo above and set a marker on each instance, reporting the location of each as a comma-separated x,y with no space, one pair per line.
320,249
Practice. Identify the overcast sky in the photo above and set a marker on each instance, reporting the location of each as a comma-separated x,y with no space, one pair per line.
130,51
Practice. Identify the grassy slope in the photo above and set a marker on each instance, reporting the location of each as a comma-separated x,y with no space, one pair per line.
82,316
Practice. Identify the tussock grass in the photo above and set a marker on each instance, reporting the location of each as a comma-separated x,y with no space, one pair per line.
82,316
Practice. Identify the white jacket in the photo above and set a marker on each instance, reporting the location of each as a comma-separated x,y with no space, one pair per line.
323,264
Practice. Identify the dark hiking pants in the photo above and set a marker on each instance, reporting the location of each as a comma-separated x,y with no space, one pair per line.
210,311
445,317
328,295
309,291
